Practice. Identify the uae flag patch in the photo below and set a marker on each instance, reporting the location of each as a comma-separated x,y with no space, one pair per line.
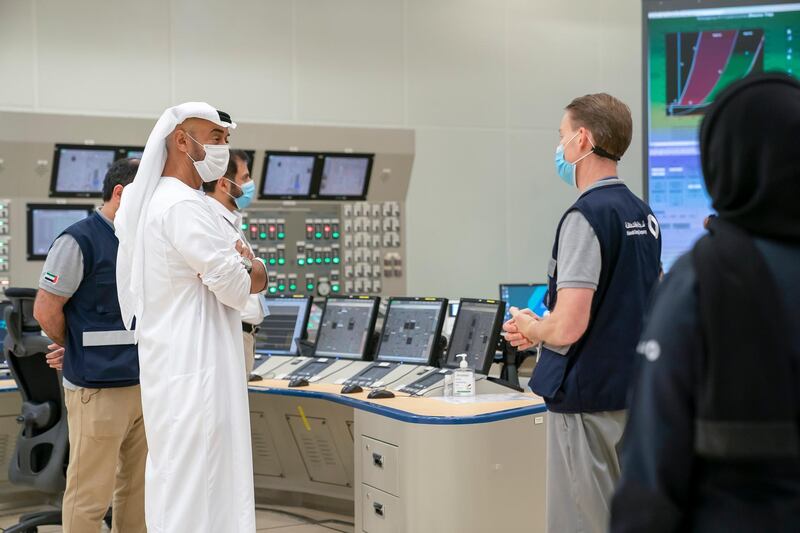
51,278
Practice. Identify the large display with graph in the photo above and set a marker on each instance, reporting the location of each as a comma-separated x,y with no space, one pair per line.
690,56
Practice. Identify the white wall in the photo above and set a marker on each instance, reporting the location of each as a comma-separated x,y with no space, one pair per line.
483,82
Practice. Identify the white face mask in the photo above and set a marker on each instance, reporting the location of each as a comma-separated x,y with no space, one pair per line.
215,163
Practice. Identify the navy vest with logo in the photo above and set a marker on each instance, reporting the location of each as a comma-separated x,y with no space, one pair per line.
595,373
99,353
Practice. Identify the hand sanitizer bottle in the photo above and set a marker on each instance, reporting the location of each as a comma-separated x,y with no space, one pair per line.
463,379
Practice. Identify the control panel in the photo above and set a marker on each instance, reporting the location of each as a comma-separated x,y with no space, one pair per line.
345,235
330,249
5,243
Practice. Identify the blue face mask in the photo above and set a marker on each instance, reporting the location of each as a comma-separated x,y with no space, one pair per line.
248,191
565,169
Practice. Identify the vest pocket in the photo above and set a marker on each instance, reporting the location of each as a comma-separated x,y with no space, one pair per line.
548,375
106,295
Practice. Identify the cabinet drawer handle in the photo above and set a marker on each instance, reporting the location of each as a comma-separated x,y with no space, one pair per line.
377,460
378,508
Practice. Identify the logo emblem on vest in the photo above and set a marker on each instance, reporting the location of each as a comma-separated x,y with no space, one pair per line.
652,225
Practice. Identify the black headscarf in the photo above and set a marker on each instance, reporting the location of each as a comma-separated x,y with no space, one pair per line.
750,152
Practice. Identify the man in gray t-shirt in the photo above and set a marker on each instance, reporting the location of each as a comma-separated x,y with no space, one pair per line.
582,462
108,447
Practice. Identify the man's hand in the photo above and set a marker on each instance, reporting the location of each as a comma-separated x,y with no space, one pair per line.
55,359
244,250
518,329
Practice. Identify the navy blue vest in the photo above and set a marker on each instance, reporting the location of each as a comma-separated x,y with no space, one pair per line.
595,373
99,352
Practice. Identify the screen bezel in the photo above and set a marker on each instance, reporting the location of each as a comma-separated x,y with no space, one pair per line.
376,301
30,208
494,335
279,153
119,153
439,325
316,188
303,329
651,6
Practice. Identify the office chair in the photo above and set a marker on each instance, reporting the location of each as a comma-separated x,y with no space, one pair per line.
42,451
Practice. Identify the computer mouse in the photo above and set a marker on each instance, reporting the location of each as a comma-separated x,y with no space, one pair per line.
298,382
254,377
351,388
380,394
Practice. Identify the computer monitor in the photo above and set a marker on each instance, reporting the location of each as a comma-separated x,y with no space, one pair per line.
287,175
133,152
3,306
79,170
346,327
412,329
47,221
286,324
693,49
524,296
314,320
475,333
345,176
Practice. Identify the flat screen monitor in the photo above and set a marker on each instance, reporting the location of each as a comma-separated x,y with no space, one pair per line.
346,327
135,153
345,176
287,175
286,323
79,170
411,330
692,50
475,333
524,296
3,331
314,319
45,222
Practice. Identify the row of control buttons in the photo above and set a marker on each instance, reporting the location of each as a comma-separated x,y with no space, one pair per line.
288,284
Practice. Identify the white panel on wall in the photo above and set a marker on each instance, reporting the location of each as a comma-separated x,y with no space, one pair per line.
536,198
456,62
621,74
104,56
17,57
237,56
455,223
350,61
553,56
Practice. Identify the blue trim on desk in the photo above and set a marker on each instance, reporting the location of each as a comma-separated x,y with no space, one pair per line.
397,414
405,416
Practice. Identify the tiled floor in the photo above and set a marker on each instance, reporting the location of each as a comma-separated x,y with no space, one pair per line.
266,520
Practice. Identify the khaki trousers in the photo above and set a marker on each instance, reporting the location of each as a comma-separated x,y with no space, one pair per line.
249,352
107,455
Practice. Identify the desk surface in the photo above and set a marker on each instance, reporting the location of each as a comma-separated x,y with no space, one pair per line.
417,410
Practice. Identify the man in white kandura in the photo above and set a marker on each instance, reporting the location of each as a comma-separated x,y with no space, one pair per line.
185,284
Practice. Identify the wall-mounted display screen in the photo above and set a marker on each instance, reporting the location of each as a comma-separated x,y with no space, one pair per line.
690,55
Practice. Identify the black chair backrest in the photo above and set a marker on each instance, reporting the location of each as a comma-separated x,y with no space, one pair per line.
43,443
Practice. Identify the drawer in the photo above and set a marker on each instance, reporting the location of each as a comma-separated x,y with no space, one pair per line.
380,512
379,465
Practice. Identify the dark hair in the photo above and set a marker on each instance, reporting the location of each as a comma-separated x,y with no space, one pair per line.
122,173
236,155
607,118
